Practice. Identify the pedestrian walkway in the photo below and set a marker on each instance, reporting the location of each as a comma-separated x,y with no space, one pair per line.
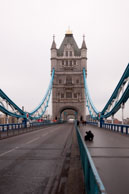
110,153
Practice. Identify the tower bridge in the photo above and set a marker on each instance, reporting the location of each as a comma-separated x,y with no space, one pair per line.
68,85
42,161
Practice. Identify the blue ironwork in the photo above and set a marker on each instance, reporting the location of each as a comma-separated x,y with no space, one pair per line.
92,123
116,127
18,128
115,102
124,79
93,183
44,103
19,113
4,96
92,110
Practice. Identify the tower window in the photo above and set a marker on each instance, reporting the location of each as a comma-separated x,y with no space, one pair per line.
77,81
62,62
68,94
60,81
75,95
70,63
71,53
66,63
74,62
62,95
68,80
66,53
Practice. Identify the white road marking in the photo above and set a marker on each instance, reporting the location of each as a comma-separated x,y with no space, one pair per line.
8,151
33,140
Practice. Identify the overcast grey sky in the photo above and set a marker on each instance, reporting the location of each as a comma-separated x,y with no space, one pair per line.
26,30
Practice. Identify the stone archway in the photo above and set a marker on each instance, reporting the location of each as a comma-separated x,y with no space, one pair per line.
68,110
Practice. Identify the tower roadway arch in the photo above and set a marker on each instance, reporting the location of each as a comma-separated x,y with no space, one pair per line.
65,111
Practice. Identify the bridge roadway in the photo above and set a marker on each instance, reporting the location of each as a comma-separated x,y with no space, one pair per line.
39,162
110,153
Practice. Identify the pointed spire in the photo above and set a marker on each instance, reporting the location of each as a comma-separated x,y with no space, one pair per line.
53,43
83,43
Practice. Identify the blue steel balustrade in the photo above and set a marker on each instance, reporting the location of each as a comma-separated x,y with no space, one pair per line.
93,183
18,128
116,127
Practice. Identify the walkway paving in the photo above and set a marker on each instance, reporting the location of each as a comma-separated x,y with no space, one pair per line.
110,153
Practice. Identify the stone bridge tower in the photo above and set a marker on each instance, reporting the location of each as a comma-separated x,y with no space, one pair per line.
68,96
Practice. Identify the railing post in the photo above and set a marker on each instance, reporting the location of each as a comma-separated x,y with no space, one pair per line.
121,129
122,106
126,130
7,129
101,122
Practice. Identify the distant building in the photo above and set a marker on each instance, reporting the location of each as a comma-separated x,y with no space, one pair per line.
3,119
126,121
116,121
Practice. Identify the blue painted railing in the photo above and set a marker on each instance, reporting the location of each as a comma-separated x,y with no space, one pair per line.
93,183
13,129
92,123
116,127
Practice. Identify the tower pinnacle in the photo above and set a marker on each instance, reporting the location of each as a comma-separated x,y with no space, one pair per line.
83,43
53,37
68,31
53,43
83,37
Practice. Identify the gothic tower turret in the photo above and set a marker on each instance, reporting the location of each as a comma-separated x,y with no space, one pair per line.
68,95
53,54
84,54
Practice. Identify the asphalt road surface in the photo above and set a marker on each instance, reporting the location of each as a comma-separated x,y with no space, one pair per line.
110,153
36,162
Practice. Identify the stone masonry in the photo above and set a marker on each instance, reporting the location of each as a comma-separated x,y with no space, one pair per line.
68,97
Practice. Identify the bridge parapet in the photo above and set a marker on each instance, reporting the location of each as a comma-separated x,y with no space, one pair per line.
93,183
116,127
